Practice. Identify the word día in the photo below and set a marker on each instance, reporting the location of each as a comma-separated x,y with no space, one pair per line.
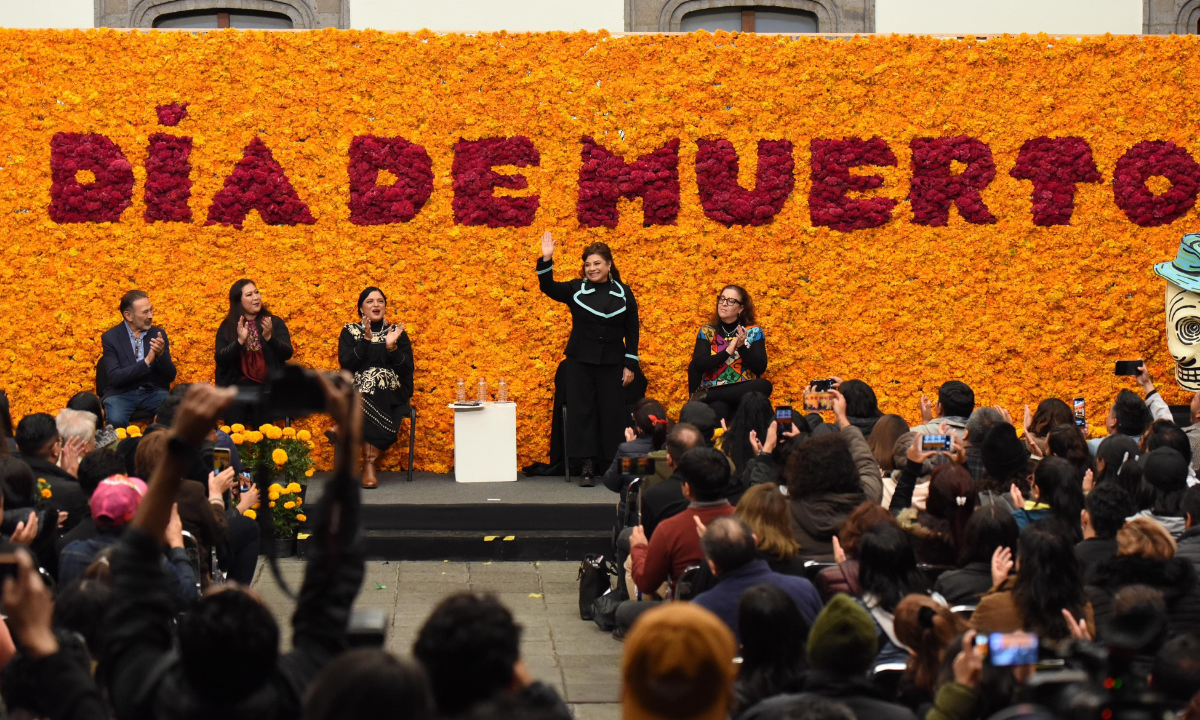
92,181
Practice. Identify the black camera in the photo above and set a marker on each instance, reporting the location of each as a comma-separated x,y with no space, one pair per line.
292,392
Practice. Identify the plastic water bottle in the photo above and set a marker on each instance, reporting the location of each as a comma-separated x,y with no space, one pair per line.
461,395
502,392
482,394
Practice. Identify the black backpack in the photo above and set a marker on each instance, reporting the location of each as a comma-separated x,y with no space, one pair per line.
595,579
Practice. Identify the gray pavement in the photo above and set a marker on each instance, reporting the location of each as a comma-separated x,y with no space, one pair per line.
574,656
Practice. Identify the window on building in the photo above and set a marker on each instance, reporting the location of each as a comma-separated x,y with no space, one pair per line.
219,18
750,19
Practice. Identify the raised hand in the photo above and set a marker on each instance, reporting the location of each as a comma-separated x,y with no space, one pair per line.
267,328
366,328
174,532
957,453
1028,419
547,245
1079,629
839,554
26,531
839,408
243,330
968,664
1004,414
393,336
701,528
157,345
1018,499
1089,482
638,536
630,434
248,499
1002,565
917,453
926,410
219,483
72,452
30,607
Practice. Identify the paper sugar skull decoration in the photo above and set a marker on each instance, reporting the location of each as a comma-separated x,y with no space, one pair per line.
1183,310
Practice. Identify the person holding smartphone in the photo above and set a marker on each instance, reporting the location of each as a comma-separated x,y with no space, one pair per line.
379,354
601,353
251,342
730,355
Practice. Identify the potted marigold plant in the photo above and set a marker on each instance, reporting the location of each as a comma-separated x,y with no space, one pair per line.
287,453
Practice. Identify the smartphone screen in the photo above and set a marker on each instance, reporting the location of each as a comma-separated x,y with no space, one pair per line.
220,459
783,418
645,466
935,442
626,466
824,385
1128,367
1080,409
817,401
1008,649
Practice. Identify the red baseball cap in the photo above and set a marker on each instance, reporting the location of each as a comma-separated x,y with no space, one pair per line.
116,500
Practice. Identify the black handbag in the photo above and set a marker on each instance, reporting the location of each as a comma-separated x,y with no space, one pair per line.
604,610
595,579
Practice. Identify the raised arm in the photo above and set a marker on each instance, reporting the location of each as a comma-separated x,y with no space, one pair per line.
869,477
545,272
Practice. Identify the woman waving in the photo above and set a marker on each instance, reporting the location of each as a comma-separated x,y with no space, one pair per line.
601,353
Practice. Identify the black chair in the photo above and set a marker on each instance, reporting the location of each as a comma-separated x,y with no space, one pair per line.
812,568
933,572
886,678
102,385
683,586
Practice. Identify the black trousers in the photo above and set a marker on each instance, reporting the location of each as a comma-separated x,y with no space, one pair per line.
595,410
724,399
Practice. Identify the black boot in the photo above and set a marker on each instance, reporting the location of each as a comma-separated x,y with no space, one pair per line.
588,478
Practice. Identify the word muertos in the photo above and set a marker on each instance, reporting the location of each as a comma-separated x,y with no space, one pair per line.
93,181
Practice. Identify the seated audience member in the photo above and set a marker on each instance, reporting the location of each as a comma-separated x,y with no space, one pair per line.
471,648
137,361
1005,463
842,646
729,550
1048,581
773,635
828,475
648,434
843,577
1176,670
226,661
666,499
113,503
1050,413
765,509
1146,556
956,402
883,442
1188,544
939,531
730,355
1164,481
41,448
1055,492
78,426
675,544
926,628
920,491
57,663
701,417
989,528
771,454
678,665
89,403
1105,509
17,485
1068,443
754,415
93,469
369,683
979,425
1131,414
862,407
887,572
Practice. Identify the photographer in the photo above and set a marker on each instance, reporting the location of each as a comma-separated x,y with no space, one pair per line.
227,664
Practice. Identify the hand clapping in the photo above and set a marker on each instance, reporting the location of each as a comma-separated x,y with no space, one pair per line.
393,336
243,330
267,328
157,345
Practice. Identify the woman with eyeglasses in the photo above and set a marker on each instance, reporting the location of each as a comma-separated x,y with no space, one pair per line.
730,355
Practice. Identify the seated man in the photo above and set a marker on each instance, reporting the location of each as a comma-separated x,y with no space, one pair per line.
226,661
1105,510
1131,414
956,402
113,503
666,498
88,402
77,425
137,360
41,448
471,647
730,549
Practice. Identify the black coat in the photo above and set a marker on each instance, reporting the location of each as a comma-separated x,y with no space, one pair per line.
1174,578
124,371
276,351
965,585
604,318
1189,546
858,694
65,493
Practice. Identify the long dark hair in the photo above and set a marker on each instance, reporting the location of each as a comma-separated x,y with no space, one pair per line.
1058,486
16,483
949,484
774,636
601,249
745,317
1120,456
1049,579
650,417
1050,413
990,527
235,305
1068,443
754,413
887,565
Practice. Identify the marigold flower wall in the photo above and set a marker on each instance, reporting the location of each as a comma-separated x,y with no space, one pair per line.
1022,310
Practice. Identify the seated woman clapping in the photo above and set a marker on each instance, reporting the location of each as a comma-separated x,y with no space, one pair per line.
730,355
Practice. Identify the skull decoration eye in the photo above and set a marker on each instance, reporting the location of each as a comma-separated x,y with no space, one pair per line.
1188,330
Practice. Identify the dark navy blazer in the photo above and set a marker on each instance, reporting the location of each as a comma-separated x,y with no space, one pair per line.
125,372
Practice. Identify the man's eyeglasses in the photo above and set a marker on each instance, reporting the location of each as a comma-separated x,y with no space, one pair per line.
728,301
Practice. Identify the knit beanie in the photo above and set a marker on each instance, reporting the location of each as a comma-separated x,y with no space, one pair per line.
678,665
702,416
842,640
1166,469
1004,455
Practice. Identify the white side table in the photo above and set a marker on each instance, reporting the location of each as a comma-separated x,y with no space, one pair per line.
485,443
